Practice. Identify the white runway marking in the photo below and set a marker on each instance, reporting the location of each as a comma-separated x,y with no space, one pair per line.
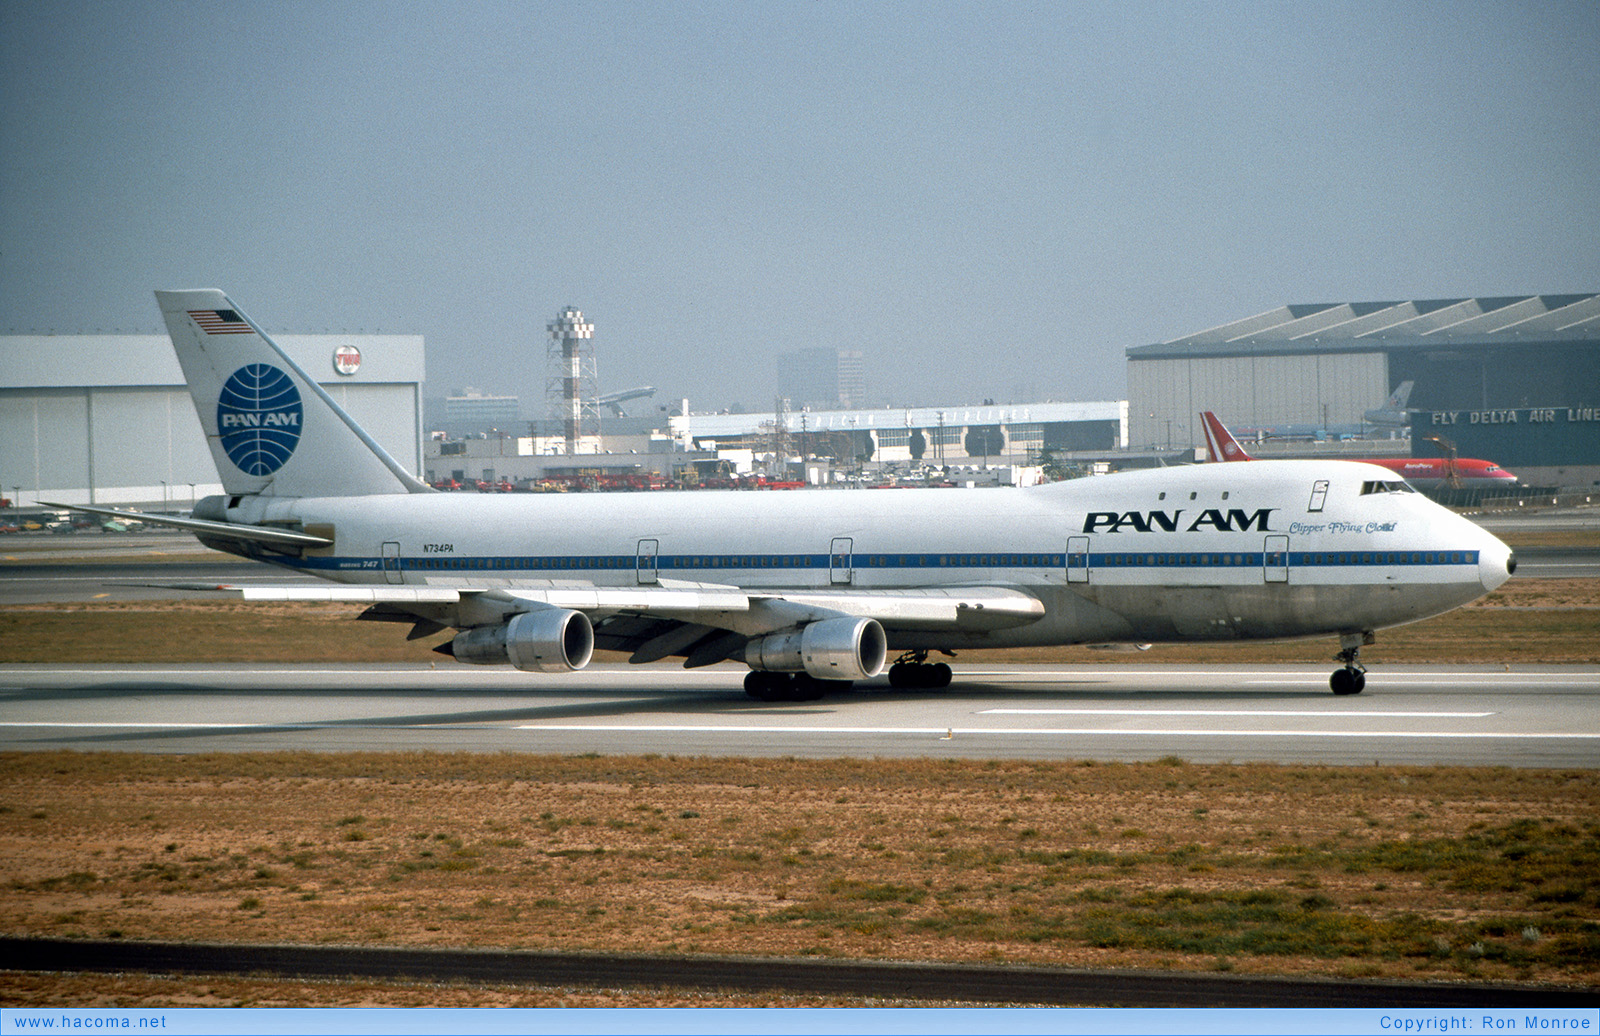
1223,712
943,733
1317,675
161,726
595,728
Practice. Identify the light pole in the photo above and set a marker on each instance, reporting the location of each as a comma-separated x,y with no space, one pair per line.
164,505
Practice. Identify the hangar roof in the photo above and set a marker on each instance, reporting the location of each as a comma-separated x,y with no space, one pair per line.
1371,326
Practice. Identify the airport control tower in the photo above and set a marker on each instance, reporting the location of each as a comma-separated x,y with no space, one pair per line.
571,385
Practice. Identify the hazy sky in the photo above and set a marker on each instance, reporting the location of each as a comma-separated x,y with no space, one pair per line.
987,199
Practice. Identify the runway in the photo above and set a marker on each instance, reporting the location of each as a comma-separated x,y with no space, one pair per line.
1545,716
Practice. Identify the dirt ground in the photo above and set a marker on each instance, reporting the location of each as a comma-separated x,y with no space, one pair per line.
1409,873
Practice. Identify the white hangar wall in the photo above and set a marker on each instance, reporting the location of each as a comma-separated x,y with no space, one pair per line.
106,419
1307,389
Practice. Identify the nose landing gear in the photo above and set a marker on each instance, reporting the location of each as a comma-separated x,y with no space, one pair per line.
1352,679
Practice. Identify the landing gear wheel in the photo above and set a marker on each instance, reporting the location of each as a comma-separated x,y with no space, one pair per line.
765,686
1347,681
912,671
1352,679
805,687
769,686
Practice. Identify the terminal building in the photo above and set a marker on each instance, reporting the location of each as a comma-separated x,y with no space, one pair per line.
107,419
930,435
1313,371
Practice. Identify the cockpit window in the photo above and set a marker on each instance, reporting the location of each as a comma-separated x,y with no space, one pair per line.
1368,488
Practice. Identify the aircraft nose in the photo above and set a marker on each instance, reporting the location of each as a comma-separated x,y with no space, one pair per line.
1496,562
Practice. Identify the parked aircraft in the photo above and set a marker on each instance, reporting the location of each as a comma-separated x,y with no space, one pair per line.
812,589
1393,413
1424,473
1389,418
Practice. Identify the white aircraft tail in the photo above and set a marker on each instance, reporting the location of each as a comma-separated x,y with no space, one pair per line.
1401,397
272,429
1220,441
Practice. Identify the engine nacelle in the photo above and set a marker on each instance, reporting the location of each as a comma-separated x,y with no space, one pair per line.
832,649
549,640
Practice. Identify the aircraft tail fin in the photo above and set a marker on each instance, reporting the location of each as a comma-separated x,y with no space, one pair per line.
1220,441
1401,396
271,428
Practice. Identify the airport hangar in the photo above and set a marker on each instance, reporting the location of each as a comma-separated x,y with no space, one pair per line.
1512,379
107,419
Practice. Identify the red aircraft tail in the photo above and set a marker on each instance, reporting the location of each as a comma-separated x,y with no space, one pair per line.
1220,441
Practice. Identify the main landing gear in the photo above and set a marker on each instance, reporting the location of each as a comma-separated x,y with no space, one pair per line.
765,685
1352,679
912,669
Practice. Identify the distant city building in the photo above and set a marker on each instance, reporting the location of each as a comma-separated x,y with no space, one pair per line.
823,378
931,435
470,411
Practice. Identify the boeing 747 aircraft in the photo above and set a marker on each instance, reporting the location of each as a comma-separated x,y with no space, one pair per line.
811,590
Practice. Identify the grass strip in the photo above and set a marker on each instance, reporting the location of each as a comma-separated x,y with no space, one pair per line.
1423,872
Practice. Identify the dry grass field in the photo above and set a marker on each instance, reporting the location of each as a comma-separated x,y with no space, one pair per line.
1410,873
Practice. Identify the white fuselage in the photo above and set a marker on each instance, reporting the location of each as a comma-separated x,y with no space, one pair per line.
1222,551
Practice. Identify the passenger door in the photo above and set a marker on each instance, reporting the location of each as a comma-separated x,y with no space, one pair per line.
391,563
1275,559
841,561
1077,559
645,563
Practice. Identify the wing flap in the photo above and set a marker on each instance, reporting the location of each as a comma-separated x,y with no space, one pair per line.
353,594
961,608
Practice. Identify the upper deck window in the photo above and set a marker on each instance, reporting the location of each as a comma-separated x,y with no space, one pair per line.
1367,488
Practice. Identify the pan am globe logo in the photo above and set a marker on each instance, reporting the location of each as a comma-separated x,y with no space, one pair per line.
258,416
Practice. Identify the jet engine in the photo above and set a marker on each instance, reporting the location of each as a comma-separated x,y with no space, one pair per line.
549,640
832,649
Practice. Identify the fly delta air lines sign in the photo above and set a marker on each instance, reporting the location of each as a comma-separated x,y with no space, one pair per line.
1562,436
259,418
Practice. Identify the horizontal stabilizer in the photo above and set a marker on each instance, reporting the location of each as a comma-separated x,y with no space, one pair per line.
227,530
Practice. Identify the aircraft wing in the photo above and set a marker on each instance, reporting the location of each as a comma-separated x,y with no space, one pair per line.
704,622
